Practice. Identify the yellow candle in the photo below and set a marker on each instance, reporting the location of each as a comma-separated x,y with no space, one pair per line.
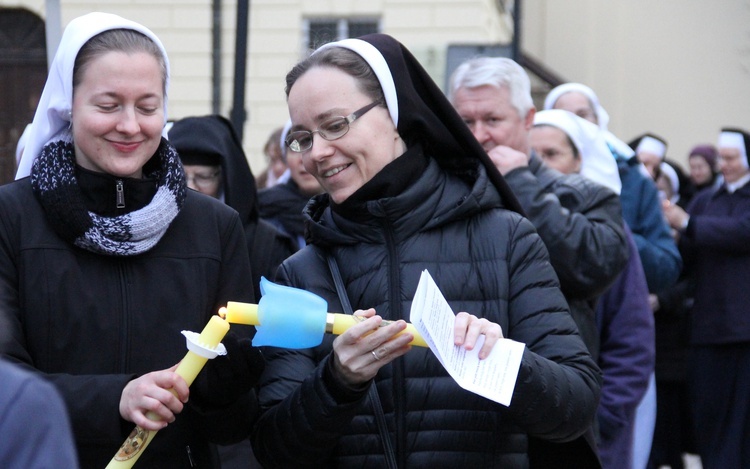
188,369
342,322
210,338
247,313
240,313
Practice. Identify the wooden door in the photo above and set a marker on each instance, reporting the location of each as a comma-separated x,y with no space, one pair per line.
23,72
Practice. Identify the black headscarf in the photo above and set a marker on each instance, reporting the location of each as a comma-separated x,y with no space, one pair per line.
215,135
422,113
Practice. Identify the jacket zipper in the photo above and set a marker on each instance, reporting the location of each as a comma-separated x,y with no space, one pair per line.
125,320
398,369
120,194
190,457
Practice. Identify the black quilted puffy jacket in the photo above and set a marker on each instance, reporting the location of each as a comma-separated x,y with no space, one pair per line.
487,261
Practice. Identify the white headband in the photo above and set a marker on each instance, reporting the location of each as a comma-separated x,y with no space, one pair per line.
282,139
601,114
53,114
652,145
674,181
377,62
734,140
597,163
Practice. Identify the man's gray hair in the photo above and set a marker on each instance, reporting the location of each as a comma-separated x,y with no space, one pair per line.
497,72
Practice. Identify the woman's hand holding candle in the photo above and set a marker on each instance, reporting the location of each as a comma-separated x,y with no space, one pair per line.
152,400
367,346
294,318
150,394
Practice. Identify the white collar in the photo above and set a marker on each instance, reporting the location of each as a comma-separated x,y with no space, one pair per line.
731,187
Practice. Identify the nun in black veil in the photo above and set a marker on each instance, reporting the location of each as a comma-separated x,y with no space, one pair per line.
408,188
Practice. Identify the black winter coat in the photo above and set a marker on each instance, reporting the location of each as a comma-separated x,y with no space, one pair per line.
581,225
90,323
487,261
214,135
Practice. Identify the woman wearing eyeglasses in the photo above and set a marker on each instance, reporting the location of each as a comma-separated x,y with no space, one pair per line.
408,188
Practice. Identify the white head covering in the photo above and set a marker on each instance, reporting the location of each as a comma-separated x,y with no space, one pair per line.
734,139
652,145
53,113
287,174
602,116
282,138
597,163
674,181
377,62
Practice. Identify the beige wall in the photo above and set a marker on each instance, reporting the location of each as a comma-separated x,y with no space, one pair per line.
185,29
425,27
679,68
275,44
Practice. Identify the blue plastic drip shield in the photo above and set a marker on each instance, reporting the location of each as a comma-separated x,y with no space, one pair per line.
289,317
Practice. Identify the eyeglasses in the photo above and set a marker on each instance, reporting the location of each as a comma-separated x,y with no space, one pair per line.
334,128
203,180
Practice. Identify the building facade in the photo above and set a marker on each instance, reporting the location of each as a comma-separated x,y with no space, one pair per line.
679,69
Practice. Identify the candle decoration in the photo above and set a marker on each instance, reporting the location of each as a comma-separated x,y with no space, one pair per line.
294,318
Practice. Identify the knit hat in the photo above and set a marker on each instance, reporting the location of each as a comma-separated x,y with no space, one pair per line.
707,152
421,112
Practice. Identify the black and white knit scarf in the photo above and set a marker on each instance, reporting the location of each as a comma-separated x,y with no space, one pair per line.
55,185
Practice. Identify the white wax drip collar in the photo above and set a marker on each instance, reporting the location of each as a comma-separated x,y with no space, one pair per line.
200,349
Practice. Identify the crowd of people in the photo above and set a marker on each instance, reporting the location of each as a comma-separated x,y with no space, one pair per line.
617,271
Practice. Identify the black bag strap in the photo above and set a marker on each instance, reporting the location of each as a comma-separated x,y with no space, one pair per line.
385,438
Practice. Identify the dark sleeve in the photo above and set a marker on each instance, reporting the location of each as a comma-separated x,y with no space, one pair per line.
233,422
48,442
91,412
557,389
302,413
301,421
720,233
581,226
268,248
659,255
627,352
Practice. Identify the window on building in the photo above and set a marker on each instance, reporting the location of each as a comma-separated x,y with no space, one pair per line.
323,30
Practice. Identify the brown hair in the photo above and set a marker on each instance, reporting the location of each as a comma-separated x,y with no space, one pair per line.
117,40
345,60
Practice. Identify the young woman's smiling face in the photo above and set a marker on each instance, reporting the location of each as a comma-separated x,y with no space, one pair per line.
118,113
343,165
